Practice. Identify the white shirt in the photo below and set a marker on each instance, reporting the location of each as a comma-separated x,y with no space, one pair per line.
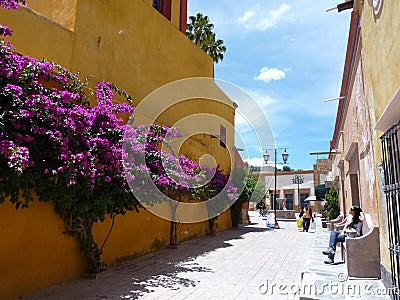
358,226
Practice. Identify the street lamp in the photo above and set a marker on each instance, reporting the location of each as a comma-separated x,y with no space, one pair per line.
285,157
298,179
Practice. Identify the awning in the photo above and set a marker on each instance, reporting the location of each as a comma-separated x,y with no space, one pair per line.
320,191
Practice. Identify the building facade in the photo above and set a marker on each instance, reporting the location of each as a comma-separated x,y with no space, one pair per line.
140,45
352,141
366,132
289,194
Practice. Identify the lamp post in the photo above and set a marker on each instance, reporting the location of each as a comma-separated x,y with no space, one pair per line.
285,157
298,179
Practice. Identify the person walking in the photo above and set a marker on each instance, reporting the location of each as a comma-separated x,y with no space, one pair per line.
307,215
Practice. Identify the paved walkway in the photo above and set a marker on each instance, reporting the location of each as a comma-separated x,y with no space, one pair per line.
244,263
251,262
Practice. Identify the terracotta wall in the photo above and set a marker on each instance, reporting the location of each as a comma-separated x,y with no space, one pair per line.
356,156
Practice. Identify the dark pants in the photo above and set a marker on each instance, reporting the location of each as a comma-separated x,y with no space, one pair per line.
306,223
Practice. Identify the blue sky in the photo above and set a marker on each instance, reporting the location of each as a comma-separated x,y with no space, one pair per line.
289,56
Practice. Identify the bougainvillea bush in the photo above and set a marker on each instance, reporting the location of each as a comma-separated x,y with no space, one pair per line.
11,4
52,143
163,174
55,145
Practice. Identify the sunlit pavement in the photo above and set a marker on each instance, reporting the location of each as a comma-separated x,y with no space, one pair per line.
250,262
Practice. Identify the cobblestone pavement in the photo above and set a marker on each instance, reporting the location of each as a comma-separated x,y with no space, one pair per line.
244,263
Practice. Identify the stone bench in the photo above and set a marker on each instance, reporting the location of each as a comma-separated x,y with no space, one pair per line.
332,223
361,254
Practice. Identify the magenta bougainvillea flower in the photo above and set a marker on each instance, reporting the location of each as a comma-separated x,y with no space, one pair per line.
53,143
53,134
11,4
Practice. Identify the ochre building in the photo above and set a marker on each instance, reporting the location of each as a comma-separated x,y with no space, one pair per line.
140,48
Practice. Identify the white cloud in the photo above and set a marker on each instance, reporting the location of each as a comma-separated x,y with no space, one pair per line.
267,74
259,161
258,18
255,161
263,99
246,17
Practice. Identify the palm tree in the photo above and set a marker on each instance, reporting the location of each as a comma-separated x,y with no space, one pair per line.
214,47
199,31
199,28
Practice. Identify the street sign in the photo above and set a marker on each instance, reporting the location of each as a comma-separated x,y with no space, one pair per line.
324,165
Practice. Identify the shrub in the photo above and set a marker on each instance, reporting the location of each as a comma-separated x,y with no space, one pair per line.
332,203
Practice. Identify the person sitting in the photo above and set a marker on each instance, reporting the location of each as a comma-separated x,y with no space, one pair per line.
324,212
352,222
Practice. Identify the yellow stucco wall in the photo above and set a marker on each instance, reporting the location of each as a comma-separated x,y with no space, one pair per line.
127,42
140,233
131,44
201,144
196,107
34,252
381,51
62,12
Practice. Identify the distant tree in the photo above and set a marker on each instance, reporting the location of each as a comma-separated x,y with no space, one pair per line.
286,169
200,31
253,189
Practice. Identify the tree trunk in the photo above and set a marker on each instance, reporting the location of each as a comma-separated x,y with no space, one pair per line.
173,238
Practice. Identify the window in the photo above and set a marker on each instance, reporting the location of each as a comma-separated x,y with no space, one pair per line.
271,198
157,5
355,197
391,169
164,7
289,201
222,136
